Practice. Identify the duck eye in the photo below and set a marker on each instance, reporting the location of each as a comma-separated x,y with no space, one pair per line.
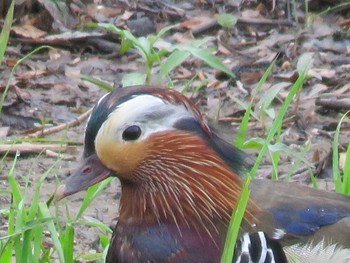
131,133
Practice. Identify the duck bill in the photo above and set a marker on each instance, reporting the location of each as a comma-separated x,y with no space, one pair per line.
91,171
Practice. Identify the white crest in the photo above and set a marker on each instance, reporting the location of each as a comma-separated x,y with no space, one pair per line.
152,114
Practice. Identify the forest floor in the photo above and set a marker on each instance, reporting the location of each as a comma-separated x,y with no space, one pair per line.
47,90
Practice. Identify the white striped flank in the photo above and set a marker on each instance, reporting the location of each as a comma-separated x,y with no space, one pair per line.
256,248
265,250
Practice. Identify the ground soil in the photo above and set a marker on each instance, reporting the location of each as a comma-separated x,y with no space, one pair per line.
47,88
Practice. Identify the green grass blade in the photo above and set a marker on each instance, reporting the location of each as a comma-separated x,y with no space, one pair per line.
53,232
243,128
45,257
6,252
67,241
277,123
235,222
339,188
28,226
134,78
90,221
161,33
17,248
34,207
38,238
174,60
346,175
5,32
97,82
15,188
209,58
26,255
275,127
125,46
91,194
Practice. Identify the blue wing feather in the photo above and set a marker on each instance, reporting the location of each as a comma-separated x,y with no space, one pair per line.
307,220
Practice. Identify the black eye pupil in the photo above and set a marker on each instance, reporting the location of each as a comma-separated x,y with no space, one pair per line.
131,133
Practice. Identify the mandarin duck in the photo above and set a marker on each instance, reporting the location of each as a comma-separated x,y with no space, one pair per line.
180,183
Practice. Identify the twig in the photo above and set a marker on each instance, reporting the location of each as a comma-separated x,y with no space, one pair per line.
263,21
61,127
211,24
26,148
334,103
65,157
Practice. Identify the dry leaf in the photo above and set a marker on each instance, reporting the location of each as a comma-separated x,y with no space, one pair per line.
28,31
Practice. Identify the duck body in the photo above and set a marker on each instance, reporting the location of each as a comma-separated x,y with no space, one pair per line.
160,243
180,183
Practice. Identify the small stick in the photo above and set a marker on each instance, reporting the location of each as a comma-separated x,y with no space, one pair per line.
211,24
61,127
26,148
337,104
64,157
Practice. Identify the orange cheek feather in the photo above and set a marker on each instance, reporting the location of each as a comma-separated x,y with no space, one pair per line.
121,158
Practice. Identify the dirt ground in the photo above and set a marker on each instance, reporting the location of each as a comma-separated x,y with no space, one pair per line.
48,89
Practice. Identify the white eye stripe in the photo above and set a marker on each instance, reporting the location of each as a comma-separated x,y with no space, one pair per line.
141,105
151,113
102,98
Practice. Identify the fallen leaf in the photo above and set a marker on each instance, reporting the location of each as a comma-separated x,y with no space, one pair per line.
197,22
28,31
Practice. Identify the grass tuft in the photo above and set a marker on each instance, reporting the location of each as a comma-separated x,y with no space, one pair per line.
341,180
274,133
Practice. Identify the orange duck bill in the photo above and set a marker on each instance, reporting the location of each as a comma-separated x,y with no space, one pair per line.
91,171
